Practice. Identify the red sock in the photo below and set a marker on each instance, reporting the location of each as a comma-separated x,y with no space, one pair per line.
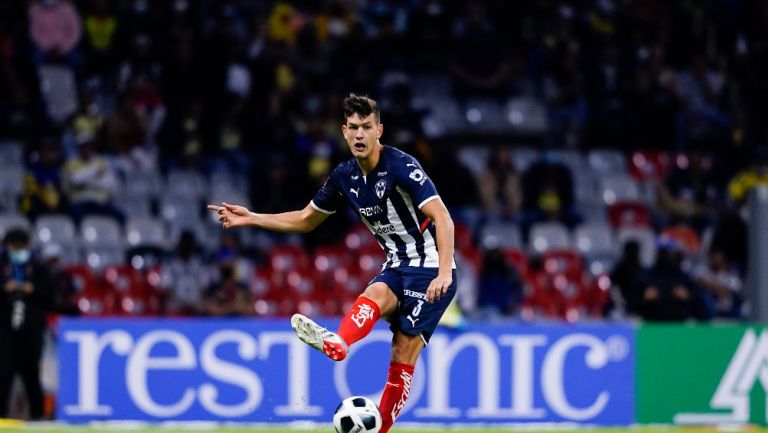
395,394
359,321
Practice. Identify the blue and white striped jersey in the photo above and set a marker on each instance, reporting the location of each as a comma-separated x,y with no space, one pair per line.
388,201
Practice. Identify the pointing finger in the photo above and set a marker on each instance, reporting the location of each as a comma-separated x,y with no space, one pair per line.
214,207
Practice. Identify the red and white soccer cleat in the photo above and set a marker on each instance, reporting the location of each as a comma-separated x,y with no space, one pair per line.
318,337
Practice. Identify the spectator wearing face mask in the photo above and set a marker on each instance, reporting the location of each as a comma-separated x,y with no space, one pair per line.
25,299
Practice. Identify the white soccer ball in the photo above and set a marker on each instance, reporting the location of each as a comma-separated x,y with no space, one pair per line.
357,414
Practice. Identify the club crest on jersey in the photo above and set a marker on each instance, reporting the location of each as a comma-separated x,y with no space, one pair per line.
380,187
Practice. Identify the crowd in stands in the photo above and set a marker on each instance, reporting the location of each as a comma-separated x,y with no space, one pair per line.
596,155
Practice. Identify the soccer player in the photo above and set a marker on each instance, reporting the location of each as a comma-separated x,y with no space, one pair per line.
400,205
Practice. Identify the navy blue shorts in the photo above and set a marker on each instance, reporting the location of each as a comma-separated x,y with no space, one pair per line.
414,315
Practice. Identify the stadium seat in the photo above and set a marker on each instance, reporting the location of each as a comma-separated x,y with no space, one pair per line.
523,157
96,302
369,261
11,153
487,114
59,90
122,278
618,188
147,184
100,257
286,257
359,237
593,239
573,159
629,214
517,258
101,231
548,235
175,208
603,263
57,228
474,158
267,298
10,220
224,181
327,259
146,232
189,184
134,206
500,235
607,162
527,115
565,262
645,237
647,165
11,187
83,278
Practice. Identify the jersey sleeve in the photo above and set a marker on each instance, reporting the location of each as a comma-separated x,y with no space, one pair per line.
414,180
329,197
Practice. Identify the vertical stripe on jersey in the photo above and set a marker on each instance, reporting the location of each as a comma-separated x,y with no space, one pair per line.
431,259
387,244
402,245
401,223
403,206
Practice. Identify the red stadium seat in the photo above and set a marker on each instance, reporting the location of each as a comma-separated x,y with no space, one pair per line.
329,258
95,302
359,237
563,262
517,258
139,301
83,278
649,165
284,258
123,278
269,299
629,214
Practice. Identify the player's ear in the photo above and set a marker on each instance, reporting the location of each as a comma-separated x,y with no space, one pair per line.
344,129
380,127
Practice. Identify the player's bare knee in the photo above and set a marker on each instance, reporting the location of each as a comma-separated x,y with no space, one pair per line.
406,348
383,297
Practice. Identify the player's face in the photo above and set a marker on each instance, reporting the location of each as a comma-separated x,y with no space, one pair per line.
362,134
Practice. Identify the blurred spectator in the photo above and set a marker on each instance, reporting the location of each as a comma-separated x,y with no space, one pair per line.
62,285
722,287
499,185
228,296
668,293
689,193
42,183
89,182
127,135
24,301
625,278
100,26
548,193
700,89
185,278
480,63
744,181
500,287
55,30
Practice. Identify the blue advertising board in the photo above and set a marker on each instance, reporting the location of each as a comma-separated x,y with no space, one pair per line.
257,371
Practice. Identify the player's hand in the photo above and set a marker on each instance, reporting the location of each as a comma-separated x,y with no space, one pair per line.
438,287
231,215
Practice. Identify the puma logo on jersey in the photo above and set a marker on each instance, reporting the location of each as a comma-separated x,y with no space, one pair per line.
355,191
413,321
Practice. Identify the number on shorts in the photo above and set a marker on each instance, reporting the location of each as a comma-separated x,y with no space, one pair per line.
417,308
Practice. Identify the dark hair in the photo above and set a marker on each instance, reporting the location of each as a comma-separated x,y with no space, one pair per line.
16,236
362,106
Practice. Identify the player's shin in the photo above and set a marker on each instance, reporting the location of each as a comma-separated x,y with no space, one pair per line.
395,393
359,320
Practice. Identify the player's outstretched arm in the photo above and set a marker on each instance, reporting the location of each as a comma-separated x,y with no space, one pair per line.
300,221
